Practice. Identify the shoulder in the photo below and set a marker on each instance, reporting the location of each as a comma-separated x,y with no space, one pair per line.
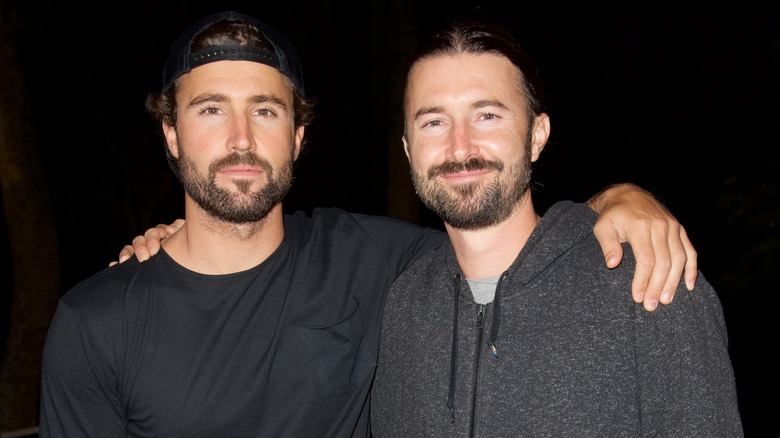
390,235
430,270
104,279
563,238
568,218
337,217
104,295
696,308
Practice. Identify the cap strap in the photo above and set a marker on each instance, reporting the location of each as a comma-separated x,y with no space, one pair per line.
233,52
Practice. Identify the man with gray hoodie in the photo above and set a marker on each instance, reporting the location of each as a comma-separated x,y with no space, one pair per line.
515,328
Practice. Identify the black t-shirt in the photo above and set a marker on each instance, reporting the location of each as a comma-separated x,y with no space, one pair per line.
285,349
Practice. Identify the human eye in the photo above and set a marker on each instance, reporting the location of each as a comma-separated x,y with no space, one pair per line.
489,116
431,123
266,112
209,110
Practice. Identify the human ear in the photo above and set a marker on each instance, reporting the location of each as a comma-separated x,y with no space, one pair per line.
171,139
298,140
539,135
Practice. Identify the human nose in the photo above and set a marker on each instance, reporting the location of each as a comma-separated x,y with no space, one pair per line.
241,138
462,146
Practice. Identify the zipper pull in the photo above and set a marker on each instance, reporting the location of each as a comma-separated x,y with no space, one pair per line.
493,349
481,315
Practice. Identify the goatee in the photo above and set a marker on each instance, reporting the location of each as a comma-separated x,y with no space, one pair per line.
474,206
229,206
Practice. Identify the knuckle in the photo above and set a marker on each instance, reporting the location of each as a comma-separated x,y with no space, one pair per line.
645,261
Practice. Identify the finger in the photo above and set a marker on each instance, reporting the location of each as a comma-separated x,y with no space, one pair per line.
661,264
642,272
678,262
609,239
644,255
126,253
174,227
140,249
153,237
691,260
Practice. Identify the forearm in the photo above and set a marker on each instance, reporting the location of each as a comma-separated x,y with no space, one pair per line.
617,193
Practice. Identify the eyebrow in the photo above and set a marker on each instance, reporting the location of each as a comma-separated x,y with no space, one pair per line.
427,110
488,102
271,98
259,98
203,98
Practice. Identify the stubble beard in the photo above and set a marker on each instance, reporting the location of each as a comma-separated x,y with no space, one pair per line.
234,207
475,206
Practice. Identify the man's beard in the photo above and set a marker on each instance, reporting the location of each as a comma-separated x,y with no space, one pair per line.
474,206
238,208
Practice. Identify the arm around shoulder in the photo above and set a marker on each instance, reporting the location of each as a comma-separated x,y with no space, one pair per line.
629,213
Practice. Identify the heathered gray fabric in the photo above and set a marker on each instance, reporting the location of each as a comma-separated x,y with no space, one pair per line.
578,358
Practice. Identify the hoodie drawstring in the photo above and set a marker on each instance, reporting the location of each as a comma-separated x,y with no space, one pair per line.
454,354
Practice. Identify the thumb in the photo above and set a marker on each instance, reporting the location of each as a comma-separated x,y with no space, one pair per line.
609,239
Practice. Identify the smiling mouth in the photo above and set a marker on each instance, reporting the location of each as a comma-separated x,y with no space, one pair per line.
474,166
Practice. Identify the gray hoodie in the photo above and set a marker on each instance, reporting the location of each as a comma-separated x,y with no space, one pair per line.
562,351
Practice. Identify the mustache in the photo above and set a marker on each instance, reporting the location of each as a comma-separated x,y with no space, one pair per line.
236,159
468,165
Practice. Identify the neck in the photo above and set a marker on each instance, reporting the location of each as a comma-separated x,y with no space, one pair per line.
210,246
490,251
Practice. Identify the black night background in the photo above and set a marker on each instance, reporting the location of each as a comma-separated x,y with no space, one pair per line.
683,100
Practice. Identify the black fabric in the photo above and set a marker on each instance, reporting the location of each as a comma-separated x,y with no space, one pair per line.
285,349
179,59
232,53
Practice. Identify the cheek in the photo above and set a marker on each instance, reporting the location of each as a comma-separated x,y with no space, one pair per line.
198,135
419,159
427,150
276,145
200,147
504,146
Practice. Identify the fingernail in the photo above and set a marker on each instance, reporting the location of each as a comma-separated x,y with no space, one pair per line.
666,298
651,305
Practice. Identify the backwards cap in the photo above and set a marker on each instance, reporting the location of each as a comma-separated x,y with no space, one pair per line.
182,59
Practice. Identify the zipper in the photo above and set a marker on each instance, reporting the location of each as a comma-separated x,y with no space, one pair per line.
480,326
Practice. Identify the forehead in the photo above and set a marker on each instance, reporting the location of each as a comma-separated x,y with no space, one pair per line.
463,76
235,78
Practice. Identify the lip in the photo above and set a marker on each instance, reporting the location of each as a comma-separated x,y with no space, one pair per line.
466,175
241,171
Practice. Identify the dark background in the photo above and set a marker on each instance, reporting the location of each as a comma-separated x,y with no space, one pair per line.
680,99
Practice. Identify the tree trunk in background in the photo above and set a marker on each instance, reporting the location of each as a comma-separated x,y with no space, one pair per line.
35,286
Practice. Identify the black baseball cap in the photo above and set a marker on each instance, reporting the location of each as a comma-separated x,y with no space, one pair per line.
182,59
